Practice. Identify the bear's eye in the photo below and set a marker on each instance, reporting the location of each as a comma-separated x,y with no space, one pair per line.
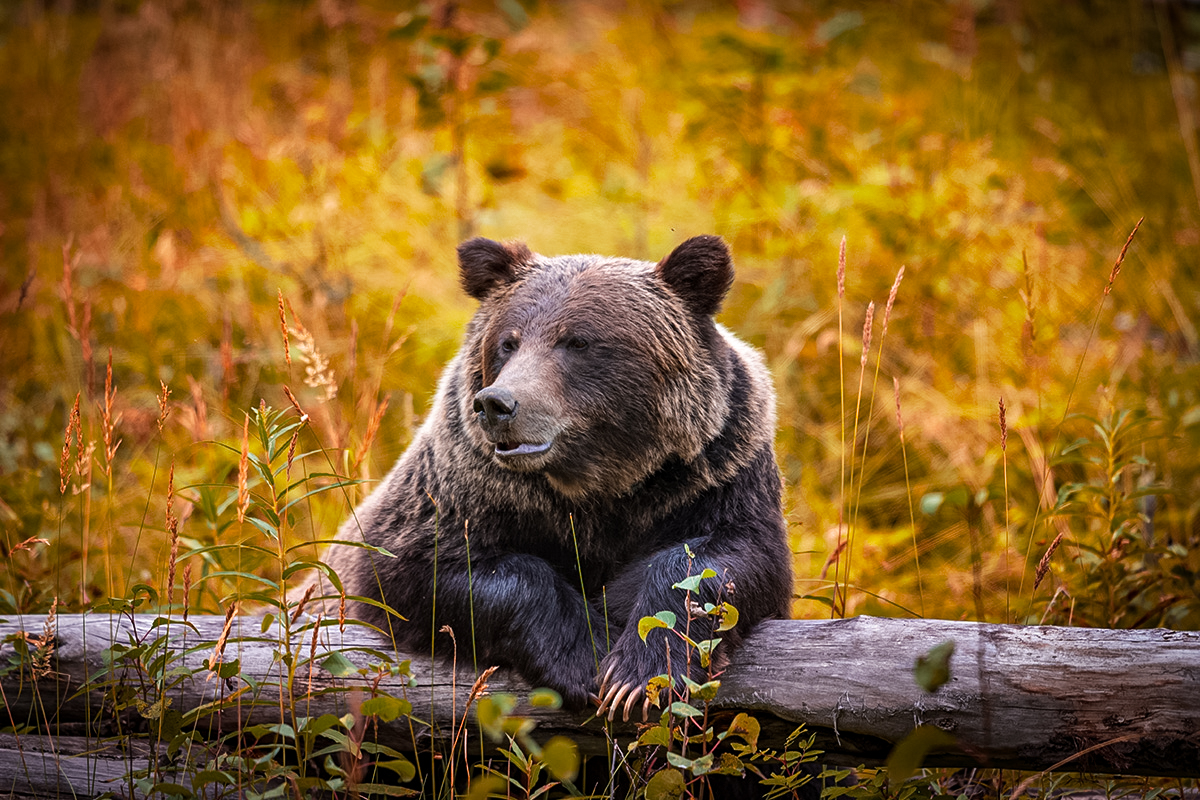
576,343
509,344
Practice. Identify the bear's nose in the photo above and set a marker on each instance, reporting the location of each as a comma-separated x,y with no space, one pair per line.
497,405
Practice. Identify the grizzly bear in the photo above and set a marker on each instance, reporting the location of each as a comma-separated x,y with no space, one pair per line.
597,440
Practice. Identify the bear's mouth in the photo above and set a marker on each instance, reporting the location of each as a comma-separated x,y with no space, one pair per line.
509,449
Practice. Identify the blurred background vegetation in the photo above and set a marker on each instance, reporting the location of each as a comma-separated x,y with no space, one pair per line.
176,175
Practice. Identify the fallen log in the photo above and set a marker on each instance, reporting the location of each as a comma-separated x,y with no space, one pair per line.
1029,698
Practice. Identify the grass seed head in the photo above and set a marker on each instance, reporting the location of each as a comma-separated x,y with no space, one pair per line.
891,301
1116,270
868,323
841,272
308,593
287,350
172,532
214,661
372,431
1044,565
187,589
64,464
164,406
1003,426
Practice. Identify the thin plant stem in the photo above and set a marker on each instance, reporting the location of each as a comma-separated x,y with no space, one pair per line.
841,292
862,369
912,517
583,591
1004,462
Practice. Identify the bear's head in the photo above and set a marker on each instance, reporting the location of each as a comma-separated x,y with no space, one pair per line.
594,371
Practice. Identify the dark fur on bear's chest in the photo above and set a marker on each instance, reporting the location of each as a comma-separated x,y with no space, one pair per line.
597,440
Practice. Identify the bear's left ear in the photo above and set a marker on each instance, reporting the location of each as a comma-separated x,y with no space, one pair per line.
700,271
484,264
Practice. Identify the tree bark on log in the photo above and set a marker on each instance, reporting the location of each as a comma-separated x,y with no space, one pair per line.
1029,698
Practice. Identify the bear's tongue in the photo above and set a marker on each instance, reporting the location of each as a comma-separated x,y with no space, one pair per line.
521,448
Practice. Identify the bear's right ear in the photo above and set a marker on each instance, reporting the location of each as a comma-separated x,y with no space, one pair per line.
484,264
700,271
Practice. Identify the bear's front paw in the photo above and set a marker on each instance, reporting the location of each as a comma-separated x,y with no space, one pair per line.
626,670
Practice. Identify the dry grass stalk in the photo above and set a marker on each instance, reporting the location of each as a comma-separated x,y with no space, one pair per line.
312,649
27,545
1007,547
899,416
833,558
214,661
244,472
841,270
868,324
891,301
64,464
317,373
110,422
226,356
291,453
187,589
70,262
1003,426
372,431
45,644
308,593
480,687
199,410
1116,270
164,406
85,347
172,532
841,293
83,457
1044,565
287,350
342,612
352,367
912,514
296,405
1027,297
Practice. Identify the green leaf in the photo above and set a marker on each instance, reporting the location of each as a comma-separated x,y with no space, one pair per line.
665,785
676,760
492,710
339,666
682,709
317,726
703,764
658,735
561,757
387,708
933,669
545,698
404,768
910,752
728,615
692,582
746,728
663,619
